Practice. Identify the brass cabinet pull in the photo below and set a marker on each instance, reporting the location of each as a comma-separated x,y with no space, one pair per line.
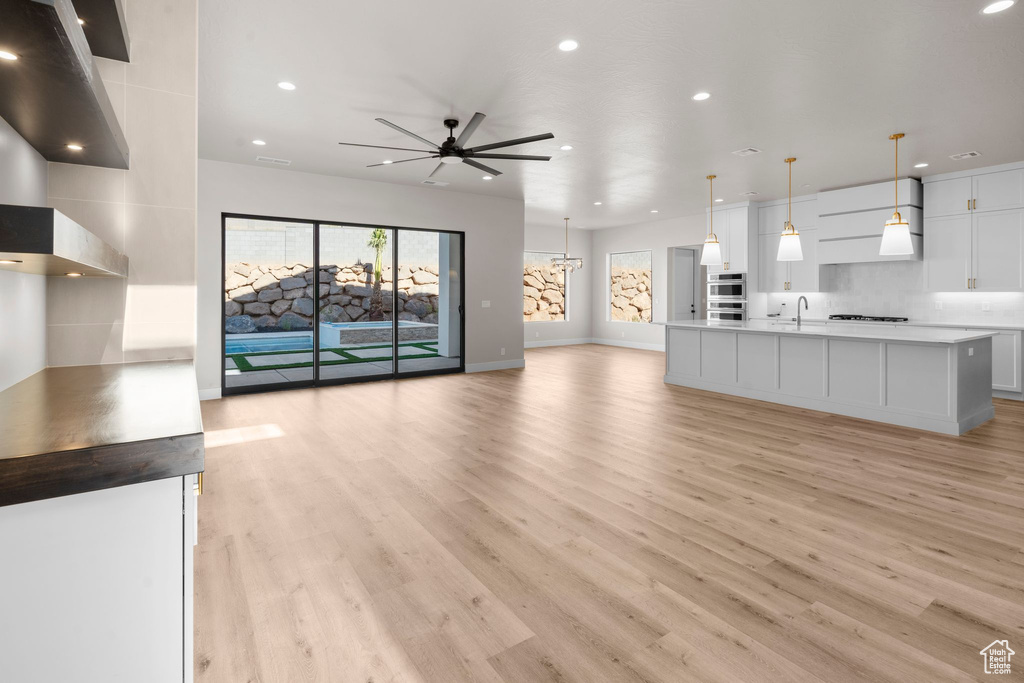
968,204
199,484
974,283
968,283
974,204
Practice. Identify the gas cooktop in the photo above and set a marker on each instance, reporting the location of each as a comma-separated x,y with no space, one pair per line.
870,318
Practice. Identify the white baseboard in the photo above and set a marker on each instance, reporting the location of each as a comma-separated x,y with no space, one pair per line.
496,365
630,344
208,394
557,342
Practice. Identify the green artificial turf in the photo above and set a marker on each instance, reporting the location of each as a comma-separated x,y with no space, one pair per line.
345,357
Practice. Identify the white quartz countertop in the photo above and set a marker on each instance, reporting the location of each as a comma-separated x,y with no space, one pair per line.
911,323
819,329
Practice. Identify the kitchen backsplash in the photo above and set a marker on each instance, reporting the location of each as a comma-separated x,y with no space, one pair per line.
897,289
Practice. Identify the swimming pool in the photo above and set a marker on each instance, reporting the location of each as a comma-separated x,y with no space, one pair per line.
332,335
268,343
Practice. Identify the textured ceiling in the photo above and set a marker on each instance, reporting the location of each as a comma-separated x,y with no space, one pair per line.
825,82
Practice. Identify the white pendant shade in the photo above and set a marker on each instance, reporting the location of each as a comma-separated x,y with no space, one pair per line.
896,238
789,247
711,255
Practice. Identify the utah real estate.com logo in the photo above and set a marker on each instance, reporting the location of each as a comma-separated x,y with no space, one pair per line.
997,657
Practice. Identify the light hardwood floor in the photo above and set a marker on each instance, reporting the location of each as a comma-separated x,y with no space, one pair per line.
582,521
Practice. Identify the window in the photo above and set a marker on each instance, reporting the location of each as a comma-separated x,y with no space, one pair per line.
630,280
544,292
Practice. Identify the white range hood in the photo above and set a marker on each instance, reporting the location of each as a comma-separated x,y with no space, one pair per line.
851,219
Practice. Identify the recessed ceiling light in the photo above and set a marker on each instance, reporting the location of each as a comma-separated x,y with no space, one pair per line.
387,161
701,96
565,148
259,142
285,85
719,200
73,274
654,211
9,56
921,165
487,177
9,261
805,186
597,203
998,6
568,45
81,22
74,148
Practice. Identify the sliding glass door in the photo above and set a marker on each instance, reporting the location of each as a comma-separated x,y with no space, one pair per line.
375,302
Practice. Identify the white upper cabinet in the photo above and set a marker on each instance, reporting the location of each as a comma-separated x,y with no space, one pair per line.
998,251
772,274
731,227
998,191
803,275
947,254
947,197
779,276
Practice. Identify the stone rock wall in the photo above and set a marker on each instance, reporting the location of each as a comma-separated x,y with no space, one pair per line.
272,298
543,293
631,294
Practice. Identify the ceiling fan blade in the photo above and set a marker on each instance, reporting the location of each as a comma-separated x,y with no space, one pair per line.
509,143
521,157
405,132
483,168
403,149
403,161
439,167
477,119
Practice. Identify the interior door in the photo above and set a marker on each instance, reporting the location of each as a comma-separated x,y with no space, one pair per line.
947,253
683,302
998,253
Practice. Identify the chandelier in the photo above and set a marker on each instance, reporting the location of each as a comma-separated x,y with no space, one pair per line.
566,262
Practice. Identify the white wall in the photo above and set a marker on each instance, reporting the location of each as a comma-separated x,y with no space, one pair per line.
148,211
22,296
658,237
494,246
577,329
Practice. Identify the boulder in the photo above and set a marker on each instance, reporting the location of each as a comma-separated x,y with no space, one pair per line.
642,287
326,275
303,306
271,294
406,315
424,277
280,306
281,272
620,302
406,283
337,289
417,307
324,290
239,324
242,269
404,273
345,276
265,322
308,291
334,313
616,288
295,293
540,316
232,308
293,283
243,294
354,312
548,274
298,269
543,305
430,318
432,269
552,295
631,313
358,290
531,281
234,281
641,301
529,305
531,292
258,308
265,281
290,322
340,299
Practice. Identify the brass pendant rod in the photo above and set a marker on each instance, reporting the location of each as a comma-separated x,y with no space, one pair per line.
711,204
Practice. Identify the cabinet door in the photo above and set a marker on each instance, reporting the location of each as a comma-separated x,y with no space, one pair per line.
803,275
721,229
999,251
738,240
1006,375
947,253
997,191
772,274
947,197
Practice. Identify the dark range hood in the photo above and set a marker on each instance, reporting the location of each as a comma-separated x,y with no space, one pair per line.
46,242
52,94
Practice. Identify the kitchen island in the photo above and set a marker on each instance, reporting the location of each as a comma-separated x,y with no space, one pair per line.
933,379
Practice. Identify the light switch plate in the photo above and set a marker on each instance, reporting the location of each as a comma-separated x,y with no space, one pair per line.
485,304
986,306
970,352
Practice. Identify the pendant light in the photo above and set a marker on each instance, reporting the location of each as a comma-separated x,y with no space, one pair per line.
711,255
789,242
566,262
896,233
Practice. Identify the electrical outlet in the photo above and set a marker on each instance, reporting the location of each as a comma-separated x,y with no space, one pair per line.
986,306
938,305
485,304
970,352
623,335
536,334
503,350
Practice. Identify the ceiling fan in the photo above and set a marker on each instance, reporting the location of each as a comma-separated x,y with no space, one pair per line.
454,151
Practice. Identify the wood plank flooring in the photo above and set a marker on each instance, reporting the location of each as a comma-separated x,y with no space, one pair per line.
580,520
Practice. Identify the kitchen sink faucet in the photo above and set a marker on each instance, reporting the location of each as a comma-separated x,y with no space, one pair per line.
804,299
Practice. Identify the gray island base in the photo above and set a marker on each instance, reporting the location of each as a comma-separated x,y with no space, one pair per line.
933,379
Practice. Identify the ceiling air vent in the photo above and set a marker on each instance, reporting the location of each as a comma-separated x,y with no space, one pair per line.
276,162
437,183
749,194
747,151
964,155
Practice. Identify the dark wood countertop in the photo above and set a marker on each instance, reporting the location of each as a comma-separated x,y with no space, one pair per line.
77,429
